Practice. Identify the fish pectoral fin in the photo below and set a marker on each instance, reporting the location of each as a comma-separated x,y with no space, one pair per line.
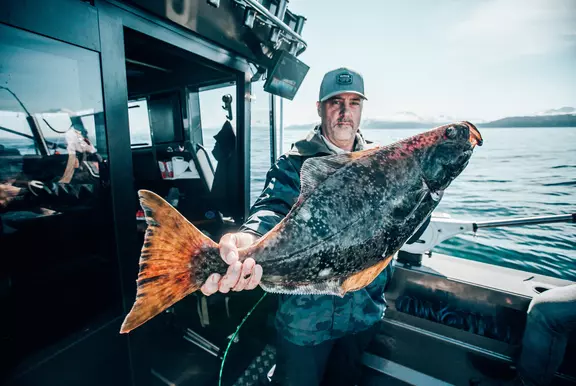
363,278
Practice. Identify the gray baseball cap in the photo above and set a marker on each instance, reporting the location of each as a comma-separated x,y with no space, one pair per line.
340,81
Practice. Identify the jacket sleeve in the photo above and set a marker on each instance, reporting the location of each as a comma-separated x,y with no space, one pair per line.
281,191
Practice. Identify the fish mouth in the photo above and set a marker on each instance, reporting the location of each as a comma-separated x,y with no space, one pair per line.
475,138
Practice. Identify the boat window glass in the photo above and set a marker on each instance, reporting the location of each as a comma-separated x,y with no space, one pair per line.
58,273
139,120
213,116
61,128
15,131
260,122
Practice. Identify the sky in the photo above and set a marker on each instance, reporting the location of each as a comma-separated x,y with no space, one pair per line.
474,60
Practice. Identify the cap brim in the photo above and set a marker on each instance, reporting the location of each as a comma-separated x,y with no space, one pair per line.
333,94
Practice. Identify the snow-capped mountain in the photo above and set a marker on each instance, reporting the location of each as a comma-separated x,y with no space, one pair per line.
560,111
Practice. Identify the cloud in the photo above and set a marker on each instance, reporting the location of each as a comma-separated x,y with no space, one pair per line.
511,28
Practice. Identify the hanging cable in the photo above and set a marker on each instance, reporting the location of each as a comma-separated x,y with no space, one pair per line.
57,131
28,113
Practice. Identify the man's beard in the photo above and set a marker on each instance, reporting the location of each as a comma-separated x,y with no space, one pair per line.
344,127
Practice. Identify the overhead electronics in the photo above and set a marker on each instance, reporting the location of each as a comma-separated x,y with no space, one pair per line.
285,75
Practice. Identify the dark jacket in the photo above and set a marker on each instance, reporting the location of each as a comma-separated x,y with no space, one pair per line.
226,175
312,319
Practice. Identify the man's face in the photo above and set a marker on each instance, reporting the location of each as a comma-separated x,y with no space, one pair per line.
341,117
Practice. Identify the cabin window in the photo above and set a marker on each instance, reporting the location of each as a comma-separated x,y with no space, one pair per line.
15,133
139,120
56,130
68,131
261,147
58,272
213,116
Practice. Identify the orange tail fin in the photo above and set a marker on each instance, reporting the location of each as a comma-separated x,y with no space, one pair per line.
176,259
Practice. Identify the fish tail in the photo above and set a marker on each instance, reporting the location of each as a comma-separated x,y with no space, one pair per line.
176,260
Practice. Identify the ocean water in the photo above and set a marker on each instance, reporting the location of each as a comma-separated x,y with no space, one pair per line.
516,173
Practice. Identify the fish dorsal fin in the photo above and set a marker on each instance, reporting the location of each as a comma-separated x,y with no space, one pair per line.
316,170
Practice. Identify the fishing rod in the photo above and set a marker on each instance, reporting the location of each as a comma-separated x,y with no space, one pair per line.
526,221
441,228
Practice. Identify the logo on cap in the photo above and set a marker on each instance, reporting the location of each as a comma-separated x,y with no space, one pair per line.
345,78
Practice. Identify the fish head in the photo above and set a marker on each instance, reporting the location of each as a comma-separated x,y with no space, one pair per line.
444,152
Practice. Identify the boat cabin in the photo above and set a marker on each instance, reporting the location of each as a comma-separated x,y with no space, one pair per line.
99,99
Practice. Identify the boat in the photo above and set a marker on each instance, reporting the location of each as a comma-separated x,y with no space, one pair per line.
101,98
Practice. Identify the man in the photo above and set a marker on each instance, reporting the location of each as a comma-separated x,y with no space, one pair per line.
320,338
551,318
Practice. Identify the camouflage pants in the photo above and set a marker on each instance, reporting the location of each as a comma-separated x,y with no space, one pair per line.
335,362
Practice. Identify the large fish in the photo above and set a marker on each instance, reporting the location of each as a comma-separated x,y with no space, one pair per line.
354,212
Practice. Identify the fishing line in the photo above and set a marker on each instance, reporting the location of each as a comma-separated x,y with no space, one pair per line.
234,337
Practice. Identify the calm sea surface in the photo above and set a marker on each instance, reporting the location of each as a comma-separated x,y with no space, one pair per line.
517,173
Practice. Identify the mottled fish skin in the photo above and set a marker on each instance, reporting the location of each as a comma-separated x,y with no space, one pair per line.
362,213
339,227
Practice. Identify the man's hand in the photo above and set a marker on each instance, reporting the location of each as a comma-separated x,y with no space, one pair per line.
240,276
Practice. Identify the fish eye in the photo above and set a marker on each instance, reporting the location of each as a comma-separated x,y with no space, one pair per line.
451,132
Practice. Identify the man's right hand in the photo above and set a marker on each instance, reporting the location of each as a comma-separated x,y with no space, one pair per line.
240,276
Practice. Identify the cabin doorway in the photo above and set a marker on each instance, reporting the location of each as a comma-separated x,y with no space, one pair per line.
183,133
175,113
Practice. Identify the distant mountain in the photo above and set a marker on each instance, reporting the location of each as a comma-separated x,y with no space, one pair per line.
305,126
405,119
562,117
378,124
399,120
560,111
564,120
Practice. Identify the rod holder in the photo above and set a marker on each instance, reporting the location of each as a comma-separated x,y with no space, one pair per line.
249,17
274,35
